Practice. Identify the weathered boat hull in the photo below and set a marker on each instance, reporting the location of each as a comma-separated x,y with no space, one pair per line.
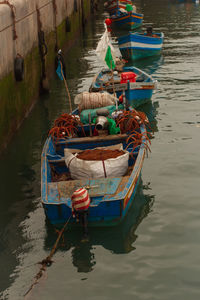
138,97
134,54
108,213
110,197
136,46
129,21
123,236
113,6
137,93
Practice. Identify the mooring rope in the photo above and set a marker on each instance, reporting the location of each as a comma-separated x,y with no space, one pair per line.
6,2
55,12
48,260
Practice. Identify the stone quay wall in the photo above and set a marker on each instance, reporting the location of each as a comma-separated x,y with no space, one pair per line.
32,31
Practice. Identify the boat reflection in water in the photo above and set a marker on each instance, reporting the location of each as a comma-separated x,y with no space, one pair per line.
118,240
150,109
150,64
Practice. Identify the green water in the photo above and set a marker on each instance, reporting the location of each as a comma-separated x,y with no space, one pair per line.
155,253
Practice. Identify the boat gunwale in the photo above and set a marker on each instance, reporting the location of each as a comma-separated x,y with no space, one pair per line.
138,34
123,86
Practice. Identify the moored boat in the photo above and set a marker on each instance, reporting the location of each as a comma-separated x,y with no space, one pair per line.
126,20
111,194
137,85
123,236
140,45
113,5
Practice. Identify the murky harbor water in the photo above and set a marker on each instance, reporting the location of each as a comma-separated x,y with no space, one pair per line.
155,253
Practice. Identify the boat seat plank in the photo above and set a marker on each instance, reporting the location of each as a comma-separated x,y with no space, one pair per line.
53,161
94,139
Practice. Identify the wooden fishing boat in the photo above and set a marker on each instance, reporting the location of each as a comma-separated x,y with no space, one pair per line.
110,196
123,236
126,20
113,5
140,45
137,85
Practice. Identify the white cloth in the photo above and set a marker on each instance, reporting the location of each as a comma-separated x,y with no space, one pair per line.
102,46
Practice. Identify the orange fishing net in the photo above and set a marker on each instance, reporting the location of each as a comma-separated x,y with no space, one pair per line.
99,154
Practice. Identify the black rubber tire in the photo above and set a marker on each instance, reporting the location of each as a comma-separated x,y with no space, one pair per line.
75,6
19,68
68,25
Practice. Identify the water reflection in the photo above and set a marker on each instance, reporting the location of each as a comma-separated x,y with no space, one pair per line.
118,239
165,263
83,257
20,189
188,5
150,64
187,1
151,111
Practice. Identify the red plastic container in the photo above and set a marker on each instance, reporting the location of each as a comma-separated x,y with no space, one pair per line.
128,76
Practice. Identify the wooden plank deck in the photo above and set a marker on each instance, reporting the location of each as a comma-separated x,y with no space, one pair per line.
60,191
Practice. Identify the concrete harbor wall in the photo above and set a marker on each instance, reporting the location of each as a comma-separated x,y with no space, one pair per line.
31,32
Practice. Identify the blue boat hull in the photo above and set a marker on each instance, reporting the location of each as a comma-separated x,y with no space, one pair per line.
136,46
138,97
137,93
113,6
127,21
108,213
135,54
110,198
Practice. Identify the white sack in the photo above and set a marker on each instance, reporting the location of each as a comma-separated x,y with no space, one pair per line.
87,100
79,168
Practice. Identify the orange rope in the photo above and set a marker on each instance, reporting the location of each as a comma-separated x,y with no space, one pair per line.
13,16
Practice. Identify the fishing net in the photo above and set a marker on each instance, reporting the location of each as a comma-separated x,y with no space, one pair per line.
99,154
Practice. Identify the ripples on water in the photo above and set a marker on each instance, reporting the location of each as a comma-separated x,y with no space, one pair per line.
155,253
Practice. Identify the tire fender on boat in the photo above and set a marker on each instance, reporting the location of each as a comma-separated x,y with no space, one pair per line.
75,6
67,25
19,68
